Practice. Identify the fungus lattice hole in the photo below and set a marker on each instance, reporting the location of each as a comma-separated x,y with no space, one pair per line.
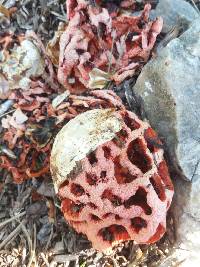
158,234
114,232
117,217
137,155
131,123
139,199
71,208
77,190
120,138
122,174
164,174
115,200
80,51
66,204
138,223
77,208
65,183
151,138
105,216
107,152
106,235
91,178
92,205
95,218
92,158
103,174
158,187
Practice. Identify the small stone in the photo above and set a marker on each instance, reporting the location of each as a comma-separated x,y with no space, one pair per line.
24,62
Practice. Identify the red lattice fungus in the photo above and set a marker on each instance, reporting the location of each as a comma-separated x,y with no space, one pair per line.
121,190
95,38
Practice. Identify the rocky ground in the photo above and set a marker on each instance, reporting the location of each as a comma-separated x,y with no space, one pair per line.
167,90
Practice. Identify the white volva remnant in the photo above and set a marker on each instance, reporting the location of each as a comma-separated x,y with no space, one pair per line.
79,137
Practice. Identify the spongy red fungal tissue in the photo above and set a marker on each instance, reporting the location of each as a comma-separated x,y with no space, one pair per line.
121,190
114,43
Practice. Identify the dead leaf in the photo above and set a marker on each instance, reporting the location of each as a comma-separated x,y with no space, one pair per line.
4,87
51,210
19,116
16,120
98,79
4,11
53,45
22,63
59,99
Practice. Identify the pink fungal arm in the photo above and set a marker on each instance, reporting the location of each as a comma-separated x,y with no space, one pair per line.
94,38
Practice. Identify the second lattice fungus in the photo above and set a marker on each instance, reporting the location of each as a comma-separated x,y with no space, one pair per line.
109,171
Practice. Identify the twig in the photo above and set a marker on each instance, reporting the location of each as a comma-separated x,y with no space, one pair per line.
195,169
32,252
195,6
62,18
2,193
45,259
11,111
12,219
15,232
26,233
23,256
5,106
172,34
50,237
35,244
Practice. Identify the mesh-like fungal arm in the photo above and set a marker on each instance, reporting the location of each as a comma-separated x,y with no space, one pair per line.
122,189
95,38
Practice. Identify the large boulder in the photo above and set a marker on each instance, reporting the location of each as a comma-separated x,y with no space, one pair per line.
169,88
175,11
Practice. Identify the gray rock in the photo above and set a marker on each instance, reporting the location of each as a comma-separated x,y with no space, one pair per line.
187,219
175,11
169,88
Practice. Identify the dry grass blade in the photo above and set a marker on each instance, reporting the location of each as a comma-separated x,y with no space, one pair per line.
9,112
26,233
32,252
172,34
45,259
4,107
12,219
15,232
